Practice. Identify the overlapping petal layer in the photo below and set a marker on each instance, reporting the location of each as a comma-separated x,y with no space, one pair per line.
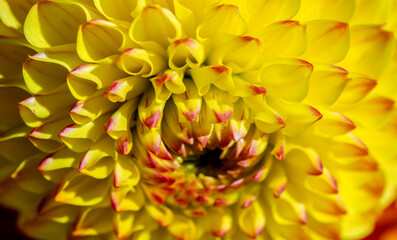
164,119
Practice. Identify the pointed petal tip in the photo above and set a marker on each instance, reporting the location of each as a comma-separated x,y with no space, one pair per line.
258,89
220,69
316,113
192,115
122,146
152,120
278,191
222,117
159,199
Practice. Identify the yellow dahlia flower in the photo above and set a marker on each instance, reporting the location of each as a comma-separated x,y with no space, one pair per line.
198,119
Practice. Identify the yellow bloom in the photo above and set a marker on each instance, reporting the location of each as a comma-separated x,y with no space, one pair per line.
192,119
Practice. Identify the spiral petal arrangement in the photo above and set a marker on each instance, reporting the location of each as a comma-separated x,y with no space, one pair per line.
192,119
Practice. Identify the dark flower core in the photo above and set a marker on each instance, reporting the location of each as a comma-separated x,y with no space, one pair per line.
209,163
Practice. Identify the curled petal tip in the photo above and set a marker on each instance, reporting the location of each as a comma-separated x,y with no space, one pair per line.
191,115
222,117
316,113
159,199
258,89
278,191
220,69
152,120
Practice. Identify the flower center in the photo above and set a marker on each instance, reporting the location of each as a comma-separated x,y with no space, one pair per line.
209,163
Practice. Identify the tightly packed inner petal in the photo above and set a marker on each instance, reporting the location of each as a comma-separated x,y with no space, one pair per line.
176,119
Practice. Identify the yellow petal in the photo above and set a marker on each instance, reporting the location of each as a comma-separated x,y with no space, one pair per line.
241,54
288,79
220,76
177,143
183,228
305,160
336,10
55,166
149,159
45,72
90,109
263,13
136,61
12,141
333,124
298,116
203,128
252,220
14,197
372,113
119,11
9,32
170,82
392,21
327,41
192,12
93,221
371,13
45,137
123,223
348,145
98,40
219,105
98,161
239,121
39,109
184,53
126,88
57,212
161,214
11,58
371,50
80,138
220,21
151,139
264,170
360,225
126,172
28,180
220,221
127,199
36,227
279,146
13,13
119,123
288,210
154,28
85,80
366,163
277,180
370,186
81,190
286,38
188,103
357,89
150,111
176,133
169,4
9,98
44,26
326,84
326,206
247,89
265,117
325,183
